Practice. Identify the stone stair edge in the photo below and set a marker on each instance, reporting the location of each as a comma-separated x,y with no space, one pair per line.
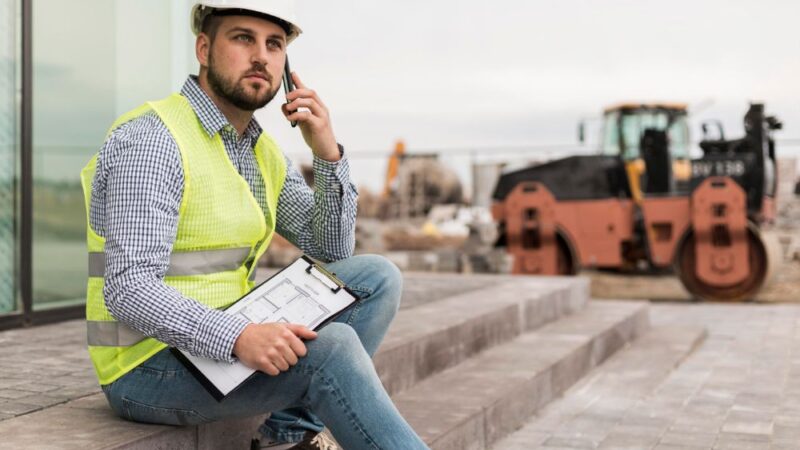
486,422
676,343
504,294
53,428
439,335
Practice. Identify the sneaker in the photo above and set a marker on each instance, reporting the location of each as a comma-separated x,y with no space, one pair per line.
319,441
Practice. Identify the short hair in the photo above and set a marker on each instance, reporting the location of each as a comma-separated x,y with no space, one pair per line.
212,21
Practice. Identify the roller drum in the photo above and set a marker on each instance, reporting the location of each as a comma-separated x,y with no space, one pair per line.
765,258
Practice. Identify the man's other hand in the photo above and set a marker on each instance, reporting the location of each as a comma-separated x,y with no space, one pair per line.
272,347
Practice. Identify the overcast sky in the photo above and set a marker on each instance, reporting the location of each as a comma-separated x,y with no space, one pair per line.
450,74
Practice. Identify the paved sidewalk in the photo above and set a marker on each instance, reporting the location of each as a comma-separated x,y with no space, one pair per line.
44,366
742,387
739,390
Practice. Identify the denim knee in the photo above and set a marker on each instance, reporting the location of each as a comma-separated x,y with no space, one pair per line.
389,278
336,350
334,341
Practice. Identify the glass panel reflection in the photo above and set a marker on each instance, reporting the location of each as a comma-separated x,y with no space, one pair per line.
9,145
93,60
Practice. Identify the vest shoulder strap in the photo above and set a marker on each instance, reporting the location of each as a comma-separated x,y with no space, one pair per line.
128,116
173,112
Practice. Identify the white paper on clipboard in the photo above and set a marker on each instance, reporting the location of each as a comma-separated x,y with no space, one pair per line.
300,293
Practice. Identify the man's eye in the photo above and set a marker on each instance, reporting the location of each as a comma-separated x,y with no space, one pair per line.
274,44
244,38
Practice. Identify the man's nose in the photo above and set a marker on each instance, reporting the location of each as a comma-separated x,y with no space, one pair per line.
260,55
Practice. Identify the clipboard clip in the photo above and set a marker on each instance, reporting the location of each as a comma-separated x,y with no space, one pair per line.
328,279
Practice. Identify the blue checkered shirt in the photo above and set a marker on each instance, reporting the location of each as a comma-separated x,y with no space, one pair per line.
136,194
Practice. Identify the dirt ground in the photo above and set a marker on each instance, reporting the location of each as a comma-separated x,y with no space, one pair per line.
784,285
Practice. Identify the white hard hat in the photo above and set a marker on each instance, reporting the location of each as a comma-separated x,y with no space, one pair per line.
281,9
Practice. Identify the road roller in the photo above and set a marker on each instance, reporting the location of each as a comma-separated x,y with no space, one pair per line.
642,203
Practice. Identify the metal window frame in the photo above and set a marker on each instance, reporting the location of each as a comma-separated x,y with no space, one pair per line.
24,272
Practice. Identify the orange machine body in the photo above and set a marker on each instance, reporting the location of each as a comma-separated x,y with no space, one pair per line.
550,237
719,221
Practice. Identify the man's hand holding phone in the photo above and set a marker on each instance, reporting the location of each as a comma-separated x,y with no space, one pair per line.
305,107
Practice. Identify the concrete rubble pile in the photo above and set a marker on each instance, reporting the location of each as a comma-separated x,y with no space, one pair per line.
787,223
788,226
453,238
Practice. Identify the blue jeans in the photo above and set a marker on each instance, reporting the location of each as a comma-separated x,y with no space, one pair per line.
335,384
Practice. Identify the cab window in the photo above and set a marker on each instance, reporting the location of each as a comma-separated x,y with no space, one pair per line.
611,134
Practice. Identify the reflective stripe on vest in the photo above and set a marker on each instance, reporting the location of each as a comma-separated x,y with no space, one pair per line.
186,263
111,334
115,334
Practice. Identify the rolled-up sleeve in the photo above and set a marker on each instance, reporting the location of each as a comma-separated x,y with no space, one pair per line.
321,222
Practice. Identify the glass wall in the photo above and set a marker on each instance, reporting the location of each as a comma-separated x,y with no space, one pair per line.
9,150
92,61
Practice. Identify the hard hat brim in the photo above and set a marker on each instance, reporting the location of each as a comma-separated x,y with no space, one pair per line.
200,12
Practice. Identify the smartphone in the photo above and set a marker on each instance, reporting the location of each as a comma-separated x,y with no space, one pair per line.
288,84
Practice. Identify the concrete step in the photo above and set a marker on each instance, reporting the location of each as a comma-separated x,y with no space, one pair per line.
89,424
594,412
432,337
420,288
474,404
423,340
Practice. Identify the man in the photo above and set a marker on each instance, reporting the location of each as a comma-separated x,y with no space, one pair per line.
183,199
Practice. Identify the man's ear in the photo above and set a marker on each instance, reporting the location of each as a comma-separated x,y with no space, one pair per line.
202,47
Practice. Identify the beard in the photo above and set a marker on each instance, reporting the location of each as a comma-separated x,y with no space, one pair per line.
234,91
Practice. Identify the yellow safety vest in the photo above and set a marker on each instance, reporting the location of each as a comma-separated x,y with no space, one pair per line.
222,230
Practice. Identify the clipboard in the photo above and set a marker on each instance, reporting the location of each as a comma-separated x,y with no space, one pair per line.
303,292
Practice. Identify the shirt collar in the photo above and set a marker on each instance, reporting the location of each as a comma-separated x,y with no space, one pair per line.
211,118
